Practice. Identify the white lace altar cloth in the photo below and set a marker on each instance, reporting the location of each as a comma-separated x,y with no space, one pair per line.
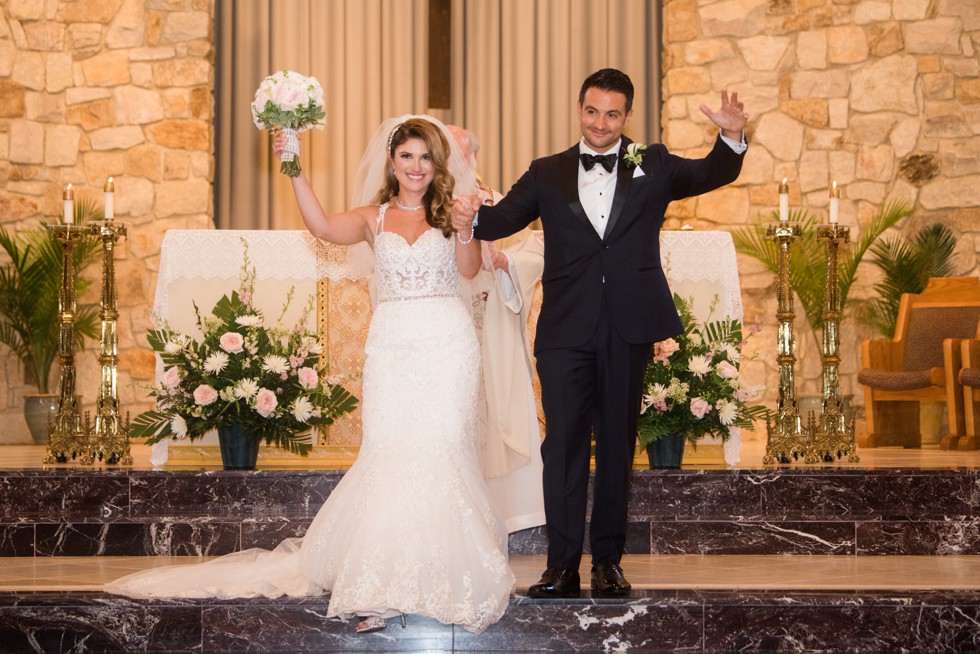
202,265
703,266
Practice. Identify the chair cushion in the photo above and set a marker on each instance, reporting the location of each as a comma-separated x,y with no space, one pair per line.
895,381
970,377
926,329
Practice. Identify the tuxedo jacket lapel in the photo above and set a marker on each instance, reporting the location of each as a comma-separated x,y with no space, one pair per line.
624,179
568,177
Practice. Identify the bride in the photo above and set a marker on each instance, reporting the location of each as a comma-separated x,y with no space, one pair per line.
410,527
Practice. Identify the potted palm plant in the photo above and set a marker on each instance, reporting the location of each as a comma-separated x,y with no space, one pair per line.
30,284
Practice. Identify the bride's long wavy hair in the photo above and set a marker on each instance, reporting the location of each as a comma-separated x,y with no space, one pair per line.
438,198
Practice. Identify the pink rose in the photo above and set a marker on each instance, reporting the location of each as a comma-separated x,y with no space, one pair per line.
231,342
265,402
307,377
726,370
700,408
205,395
171,377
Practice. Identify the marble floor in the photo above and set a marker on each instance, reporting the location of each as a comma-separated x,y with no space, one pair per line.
647,572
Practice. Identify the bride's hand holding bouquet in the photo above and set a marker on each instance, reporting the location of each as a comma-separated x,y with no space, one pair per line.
290,103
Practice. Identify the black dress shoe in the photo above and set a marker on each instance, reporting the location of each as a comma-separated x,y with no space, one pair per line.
608,580
557,583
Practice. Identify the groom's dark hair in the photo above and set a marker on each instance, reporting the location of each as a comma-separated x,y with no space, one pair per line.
609,79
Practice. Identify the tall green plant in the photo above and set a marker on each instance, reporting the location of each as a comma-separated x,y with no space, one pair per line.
807,269
29,288
907,266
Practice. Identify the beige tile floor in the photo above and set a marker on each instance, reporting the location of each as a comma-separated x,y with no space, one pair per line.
889,573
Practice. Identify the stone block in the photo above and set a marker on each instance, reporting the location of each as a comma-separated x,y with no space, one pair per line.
811,49
936,36
968,91
112,138
739,18
182,197
177,164
44,107
959,157
58,72
186,26
846,44
61,145
176,103
885,85
757,167
838,112
884,40
202,165
25,9
945,120
842,166
875,163
8,52
26,142
681,21
134,197
45,36
83,35
763,52
79,95
141,73
106,69
904,136
92,115
88,11
937,86
101,165
156,53
127,29
870,129
819,84
183,134
145,161
139,363
706,50
130,277
12,104
683,134
866,13
951,193
809,112
814,170
202,103
14,208
29,70
135,106
182,72
691,79
965,10
780,135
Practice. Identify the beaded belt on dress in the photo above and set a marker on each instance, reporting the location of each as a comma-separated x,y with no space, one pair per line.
402,298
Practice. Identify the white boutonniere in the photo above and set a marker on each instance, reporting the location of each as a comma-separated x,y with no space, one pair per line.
634,154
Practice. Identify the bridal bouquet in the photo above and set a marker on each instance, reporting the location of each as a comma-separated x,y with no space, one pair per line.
692,384
264,378
292,103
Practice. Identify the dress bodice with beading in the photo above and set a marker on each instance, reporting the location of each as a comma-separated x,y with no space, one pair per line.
404,271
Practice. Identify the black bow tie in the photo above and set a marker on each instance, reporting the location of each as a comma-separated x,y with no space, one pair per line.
608,161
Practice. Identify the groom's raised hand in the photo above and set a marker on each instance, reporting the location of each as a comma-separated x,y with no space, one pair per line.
464,211
731,118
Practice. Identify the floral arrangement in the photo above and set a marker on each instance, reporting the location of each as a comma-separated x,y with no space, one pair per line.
634,154
264,378
292,103
692,384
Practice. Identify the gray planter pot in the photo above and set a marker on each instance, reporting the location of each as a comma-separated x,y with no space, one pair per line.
37,410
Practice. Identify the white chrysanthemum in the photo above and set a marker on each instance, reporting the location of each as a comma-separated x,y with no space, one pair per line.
311,345
173,347
696,340
178,426
249,321
302,409
247,388
734,354
699,365
216,363
727,411
275,364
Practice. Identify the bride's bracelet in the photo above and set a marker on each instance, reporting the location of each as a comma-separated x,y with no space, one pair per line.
467,241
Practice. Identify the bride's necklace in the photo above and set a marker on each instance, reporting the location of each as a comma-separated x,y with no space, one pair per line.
405,208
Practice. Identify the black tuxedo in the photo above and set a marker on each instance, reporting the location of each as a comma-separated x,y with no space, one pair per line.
605,302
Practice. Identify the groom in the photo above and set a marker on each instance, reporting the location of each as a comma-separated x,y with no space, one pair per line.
605,302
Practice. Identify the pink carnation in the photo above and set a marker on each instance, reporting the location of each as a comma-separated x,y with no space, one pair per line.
265,402
663,349
231,342
700,407
307,377
205,395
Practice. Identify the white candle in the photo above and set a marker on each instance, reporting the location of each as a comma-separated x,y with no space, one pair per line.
109,209
834,203
783,202
69,197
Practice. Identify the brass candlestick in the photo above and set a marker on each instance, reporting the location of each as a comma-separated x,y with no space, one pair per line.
67,439
786,437
833,434
109,440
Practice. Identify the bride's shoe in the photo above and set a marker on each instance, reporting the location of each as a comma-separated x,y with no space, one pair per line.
372,623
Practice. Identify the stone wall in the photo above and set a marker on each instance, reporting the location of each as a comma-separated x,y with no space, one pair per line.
882,96
97,88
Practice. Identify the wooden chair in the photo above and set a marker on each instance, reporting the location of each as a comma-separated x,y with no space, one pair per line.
955,357
899,374
969,377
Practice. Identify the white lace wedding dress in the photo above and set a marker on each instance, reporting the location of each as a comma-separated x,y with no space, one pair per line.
409,528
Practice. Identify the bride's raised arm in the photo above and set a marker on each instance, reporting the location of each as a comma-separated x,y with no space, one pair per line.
344,228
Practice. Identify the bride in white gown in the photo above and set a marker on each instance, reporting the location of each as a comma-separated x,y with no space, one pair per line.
410,527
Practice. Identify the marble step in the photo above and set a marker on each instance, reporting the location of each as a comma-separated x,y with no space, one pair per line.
849,511
649,621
